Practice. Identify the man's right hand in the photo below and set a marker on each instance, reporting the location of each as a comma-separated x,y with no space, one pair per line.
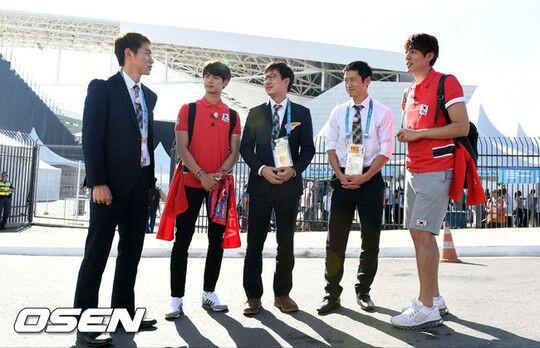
345,180
269,173
208,181
102,195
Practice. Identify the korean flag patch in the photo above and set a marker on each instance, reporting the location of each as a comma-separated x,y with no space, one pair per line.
423,109
225,118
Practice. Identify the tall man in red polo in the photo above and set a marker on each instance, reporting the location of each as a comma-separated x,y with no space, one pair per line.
430,163
208,154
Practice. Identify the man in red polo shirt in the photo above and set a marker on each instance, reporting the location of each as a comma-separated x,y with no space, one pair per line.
207,157
430,163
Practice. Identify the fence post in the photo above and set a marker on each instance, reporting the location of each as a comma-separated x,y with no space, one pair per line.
33,180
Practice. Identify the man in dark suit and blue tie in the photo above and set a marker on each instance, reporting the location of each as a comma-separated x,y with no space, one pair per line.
119,159
274,187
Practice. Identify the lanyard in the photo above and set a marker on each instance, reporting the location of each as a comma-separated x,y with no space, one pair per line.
368,121
288,117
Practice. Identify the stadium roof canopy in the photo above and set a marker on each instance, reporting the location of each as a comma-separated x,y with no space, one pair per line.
317,66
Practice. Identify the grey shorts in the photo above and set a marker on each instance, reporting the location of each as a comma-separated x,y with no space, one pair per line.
426,200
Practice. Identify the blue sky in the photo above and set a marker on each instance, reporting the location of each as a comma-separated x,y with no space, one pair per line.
492,44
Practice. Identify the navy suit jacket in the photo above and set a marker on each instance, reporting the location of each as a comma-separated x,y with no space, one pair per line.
256,146
111,137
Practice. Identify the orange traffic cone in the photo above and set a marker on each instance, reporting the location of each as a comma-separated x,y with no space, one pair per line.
448,250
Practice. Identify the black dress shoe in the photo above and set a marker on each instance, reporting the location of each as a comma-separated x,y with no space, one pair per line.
147,323
94,339
328,305
365,302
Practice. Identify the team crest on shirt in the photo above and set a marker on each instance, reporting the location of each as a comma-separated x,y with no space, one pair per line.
423,109
225,118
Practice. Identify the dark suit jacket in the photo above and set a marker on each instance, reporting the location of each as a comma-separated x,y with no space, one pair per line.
111,137
256,146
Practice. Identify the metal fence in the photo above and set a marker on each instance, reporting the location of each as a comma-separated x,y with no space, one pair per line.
60,197
18,157
512,164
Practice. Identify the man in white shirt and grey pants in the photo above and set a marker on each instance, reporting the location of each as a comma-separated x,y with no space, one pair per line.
366,122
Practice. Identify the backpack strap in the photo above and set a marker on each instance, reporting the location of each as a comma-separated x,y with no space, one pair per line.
191,120
234,116
441,101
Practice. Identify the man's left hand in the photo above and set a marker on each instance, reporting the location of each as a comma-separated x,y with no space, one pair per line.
406,135
355,182
285,173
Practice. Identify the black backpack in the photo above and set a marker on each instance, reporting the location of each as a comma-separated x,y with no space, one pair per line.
191,121
470,142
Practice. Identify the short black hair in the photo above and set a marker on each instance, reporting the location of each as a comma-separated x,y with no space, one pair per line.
363,69
217,68
133,41
424,43
284,70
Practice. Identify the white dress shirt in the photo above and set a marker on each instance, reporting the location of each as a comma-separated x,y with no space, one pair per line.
145,154
281,114
380,139
281,111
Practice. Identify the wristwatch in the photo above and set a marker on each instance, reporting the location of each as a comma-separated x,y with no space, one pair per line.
200,173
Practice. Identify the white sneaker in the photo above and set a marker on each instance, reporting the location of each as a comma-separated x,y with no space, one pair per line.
417,316
175,308
210,300
437,301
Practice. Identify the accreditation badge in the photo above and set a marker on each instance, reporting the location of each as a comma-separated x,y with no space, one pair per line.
355,159
282,153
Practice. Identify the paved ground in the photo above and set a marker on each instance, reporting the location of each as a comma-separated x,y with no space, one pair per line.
49,241
493,302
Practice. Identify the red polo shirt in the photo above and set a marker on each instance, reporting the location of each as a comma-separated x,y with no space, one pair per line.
210,140
430,155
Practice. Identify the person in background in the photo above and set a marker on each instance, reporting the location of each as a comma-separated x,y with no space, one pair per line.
521,213
532,203
6,192
306,205
495,210
387,204
509,207
327,203
155,195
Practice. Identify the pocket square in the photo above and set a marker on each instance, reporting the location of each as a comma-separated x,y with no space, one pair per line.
294,125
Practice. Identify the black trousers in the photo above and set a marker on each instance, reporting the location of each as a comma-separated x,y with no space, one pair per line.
285,205
185,227
130,214
368,200
5,210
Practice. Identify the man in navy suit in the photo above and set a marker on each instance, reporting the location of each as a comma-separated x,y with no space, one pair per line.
118,154
274,188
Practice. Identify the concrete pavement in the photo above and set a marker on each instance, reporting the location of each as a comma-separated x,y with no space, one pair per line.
492,303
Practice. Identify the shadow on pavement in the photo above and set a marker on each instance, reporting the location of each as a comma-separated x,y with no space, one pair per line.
189,333
243,336
292,336
334,337
442,335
